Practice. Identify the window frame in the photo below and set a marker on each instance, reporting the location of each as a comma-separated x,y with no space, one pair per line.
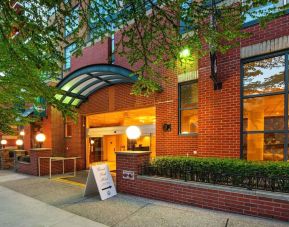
65,129
195,81
253,22
65,57
285,93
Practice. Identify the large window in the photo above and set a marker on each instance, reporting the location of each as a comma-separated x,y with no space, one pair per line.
72,21
265,108
256,12
67,55
188,108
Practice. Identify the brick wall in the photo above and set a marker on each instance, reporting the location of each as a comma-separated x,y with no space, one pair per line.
32,168
219,111
263,204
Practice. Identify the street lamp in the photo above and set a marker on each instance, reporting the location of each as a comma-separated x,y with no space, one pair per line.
3,143
185,53
22,133
40,138
133,133
19,143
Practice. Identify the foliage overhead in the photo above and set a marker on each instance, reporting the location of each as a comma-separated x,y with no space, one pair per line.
32,41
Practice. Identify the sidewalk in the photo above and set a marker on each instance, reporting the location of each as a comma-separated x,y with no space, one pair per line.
28,206
19,210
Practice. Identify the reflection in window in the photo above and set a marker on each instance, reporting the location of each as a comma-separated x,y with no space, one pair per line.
67,55
264,76
188,108
264,114
72,21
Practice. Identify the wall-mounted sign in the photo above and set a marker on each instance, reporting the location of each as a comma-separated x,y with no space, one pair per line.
128,175
99,180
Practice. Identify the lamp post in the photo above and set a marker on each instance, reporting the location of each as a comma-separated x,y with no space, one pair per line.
19,143
22,133
40,138
3,143
133,133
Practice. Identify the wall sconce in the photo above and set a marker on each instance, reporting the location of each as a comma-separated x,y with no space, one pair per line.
167,127
40,138
3,143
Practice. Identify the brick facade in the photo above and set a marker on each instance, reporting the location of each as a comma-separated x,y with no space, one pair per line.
219,110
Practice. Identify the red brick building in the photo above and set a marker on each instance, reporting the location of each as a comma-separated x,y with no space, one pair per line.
247,118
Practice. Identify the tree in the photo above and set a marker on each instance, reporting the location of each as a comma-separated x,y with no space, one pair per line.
154,33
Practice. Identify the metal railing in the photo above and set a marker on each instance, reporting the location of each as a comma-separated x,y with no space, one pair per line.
249,181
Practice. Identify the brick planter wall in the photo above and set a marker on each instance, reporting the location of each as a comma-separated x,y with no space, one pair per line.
224,198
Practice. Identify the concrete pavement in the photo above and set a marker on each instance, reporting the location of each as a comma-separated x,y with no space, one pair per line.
49,198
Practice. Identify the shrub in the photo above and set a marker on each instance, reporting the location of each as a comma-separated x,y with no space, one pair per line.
273,176
224,166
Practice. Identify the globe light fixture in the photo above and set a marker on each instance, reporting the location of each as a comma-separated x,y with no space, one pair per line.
19,142
22,133
133,132
3,143
40,138
185,53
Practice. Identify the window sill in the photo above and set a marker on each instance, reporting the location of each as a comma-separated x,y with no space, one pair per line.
189,134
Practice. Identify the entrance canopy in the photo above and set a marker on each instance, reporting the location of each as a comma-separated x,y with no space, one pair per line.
83,82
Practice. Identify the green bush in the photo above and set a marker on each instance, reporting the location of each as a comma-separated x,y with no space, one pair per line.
227,166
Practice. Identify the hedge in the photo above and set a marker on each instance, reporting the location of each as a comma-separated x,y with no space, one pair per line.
224,166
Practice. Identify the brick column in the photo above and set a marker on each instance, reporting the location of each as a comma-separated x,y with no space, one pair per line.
129,161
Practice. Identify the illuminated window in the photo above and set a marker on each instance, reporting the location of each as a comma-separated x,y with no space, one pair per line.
188,108
265,108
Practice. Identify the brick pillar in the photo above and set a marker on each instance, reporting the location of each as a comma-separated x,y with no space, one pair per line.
129,161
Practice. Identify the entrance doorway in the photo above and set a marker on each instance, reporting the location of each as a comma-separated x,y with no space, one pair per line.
106,135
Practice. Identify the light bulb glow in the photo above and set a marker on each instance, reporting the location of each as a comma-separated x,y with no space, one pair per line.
3,142
40,137
133,132
22,133
185,53
19,142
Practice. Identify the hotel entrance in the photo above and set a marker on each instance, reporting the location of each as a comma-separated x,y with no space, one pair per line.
107,133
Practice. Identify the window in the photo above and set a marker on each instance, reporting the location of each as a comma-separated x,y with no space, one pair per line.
265,108
72,21
111,49
68,129
188,108
67,55
260,11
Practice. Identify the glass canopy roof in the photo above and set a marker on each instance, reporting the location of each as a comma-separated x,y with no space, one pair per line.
78,85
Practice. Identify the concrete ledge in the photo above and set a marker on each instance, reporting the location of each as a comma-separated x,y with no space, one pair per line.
25,163
40,149
259,193
132,152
